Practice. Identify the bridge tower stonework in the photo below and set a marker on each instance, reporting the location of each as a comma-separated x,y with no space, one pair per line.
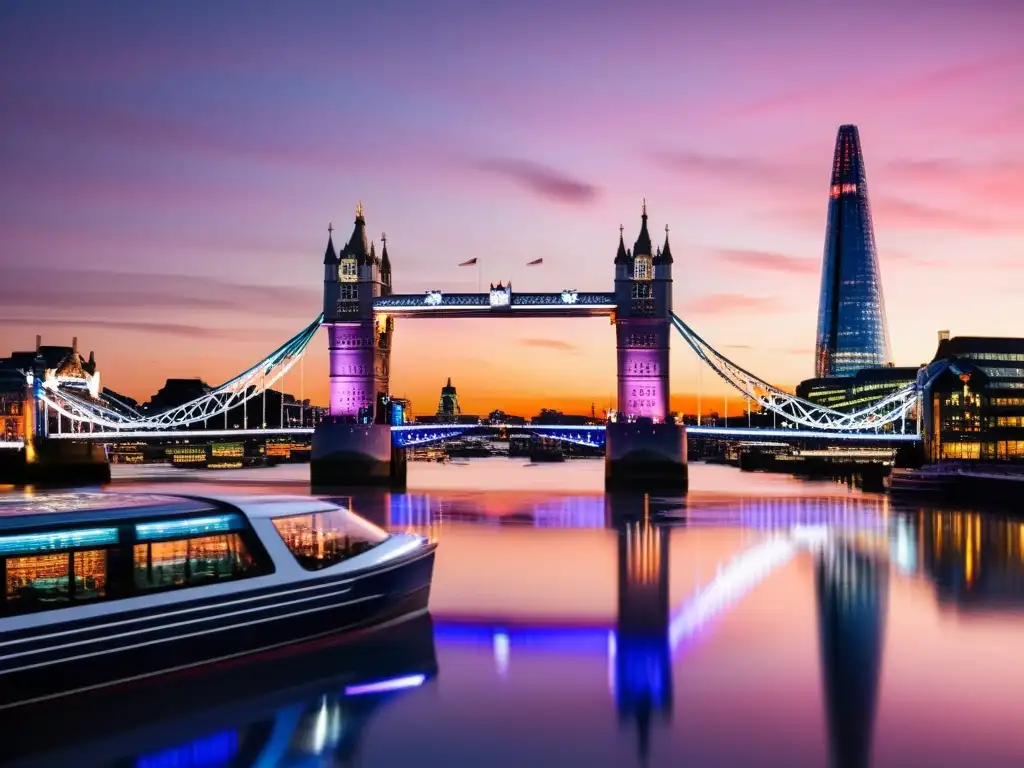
644,445
353,446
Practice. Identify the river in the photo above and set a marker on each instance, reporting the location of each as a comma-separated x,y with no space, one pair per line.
762,620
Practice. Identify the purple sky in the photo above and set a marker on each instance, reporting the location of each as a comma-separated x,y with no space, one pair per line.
169,171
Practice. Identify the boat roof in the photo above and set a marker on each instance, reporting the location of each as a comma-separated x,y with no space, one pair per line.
30,509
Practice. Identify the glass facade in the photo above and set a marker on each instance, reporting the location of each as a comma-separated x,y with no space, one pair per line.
974,411
852,329
323,539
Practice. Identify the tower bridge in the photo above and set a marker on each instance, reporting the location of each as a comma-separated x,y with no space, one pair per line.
357,445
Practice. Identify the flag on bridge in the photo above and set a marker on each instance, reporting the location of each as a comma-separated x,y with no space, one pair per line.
535,263
469,263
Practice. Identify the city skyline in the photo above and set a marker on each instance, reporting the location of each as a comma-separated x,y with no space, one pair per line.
167,202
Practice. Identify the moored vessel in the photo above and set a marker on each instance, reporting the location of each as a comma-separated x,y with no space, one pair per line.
102,589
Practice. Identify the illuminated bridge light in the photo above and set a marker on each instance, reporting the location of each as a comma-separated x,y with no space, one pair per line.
198,526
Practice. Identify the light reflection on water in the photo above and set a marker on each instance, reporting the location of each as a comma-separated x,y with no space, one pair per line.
760,621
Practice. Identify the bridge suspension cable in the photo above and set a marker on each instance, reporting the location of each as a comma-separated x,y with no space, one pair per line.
887,410
114,415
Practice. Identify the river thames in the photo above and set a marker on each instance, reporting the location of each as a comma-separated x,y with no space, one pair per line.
762,620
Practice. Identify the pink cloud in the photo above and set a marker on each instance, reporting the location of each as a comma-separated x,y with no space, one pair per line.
541,180
768,261
555,344
912,87
1000,183
731,303
904,214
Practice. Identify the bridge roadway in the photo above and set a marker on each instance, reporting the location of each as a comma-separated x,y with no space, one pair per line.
407,435
503,303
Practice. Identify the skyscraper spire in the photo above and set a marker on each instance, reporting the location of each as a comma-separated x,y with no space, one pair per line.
852,330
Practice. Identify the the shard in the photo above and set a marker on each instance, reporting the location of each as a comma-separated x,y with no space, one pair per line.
852,329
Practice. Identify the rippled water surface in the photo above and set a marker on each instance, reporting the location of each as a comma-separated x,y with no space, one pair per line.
761,621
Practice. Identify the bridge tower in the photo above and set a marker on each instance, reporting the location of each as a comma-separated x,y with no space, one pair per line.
644,447
360,346
643,304
353,445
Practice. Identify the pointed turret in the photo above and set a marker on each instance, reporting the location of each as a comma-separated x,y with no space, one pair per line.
385,266
621,257
372,258
665,253
330,256
358,245
385,262
642,246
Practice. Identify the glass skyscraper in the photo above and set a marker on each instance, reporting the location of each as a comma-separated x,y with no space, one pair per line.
852,329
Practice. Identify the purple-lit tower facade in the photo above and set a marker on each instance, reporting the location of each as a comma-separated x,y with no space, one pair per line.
353,446
644,448
359,344
643,299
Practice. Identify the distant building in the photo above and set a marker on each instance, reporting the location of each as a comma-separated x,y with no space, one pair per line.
501,417
177,392
60,364
852,332
974,411
853,393
448,409
551,416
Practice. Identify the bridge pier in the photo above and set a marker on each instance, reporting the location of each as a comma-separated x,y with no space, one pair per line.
645,456
346,455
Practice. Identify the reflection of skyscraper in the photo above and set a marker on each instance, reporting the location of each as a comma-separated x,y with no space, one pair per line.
852,330
643,665
852,591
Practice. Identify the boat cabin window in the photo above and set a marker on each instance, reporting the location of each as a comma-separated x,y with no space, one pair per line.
55,569
61,568
322,539
191,552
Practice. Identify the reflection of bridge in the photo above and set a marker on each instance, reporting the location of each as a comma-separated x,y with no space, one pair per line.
648,632
355,442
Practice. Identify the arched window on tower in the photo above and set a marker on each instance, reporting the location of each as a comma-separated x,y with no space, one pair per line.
642,268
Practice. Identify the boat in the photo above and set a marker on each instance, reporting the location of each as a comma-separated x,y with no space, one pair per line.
930,479
104,589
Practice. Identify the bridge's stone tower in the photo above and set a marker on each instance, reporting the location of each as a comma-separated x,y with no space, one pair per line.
644,448
643,303
353,445
359,344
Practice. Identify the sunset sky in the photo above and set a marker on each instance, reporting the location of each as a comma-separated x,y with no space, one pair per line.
169,172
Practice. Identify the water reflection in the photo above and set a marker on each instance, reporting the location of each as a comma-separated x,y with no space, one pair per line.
642,659
852,593
312,709
592,629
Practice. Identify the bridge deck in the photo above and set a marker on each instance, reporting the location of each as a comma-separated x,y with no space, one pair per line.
496,304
